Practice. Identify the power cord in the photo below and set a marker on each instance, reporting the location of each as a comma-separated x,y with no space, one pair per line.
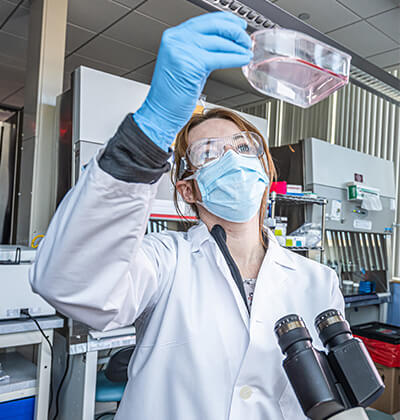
27,314
101,367
60,387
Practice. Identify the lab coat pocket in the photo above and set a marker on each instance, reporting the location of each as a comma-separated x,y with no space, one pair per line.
289,405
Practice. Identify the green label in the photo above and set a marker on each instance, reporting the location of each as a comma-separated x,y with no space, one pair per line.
352,192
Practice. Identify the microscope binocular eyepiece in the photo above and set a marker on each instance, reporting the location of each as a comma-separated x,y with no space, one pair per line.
288,323
292,331
332,328
327,383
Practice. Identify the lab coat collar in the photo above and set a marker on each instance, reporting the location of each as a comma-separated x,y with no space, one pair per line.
199,234
279,254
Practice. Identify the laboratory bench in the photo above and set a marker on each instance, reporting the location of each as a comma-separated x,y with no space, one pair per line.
82,360
27,379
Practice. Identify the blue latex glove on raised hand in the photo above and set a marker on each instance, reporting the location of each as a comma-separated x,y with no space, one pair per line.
188,54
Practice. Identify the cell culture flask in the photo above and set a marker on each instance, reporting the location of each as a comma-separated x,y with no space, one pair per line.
295,67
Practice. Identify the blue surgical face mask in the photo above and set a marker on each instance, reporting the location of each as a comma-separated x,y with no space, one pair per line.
232,186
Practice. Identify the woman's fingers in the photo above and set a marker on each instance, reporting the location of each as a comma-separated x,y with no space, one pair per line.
221,60
214,43
223,24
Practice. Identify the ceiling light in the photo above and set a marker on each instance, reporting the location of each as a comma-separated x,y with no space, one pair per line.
304,16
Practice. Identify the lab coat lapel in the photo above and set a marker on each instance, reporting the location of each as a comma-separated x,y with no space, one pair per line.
199,236
271,286
223,267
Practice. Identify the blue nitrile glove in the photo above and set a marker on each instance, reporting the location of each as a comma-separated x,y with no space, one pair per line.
188,54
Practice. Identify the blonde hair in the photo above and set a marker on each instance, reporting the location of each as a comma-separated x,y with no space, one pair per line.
182,143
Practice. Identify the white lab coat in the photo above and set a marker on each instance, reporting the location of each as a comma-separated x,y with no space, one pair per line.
199,355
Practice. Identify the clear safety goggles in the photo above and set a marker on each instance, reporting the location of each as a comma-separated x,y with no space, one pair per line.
206,150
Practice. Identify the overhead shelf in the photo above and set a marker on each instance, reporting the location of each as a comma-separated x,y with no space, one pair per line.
296,199
303,248
354,301
301,200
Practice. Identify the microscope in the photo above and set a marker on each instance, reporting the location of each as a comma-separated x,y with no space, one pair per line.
330,385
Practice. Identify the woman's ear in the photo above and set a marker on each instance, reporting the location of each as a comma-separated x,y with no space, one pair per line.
185,189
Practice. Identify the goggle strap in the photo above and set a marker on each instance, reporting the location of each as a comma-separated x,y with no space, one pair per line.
183,168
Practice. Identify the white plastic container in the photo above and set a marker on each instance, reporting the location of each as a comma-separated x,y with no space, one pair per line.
295,241
347,288
295,67
356,288
292,188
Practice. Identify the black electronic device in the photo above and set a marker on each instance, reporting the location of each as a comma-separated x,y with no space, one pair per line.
328,384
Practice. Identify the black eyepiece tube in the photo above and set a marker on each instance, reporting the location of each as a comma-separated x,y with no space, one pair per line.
332,328
349,359
305,369
292,333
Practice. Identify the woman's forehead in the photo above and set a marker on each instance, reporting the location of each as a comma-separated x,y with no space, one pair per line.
214,127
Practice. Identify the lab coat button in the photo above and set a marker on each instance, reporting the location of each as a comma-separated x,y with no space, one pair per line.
246,392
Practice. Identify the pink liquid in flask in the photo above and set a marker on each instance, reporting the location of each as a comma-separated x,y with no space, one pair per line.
296,79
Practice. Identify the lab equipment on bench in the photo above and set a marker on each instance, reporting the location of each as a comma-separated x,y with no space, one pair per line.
294,189
279,226
369,197
382,342
16,292
357,241
311,234
24,384
394,306
329,385
278,187
10,151
29,369
347,287
308,238
295,241
295,67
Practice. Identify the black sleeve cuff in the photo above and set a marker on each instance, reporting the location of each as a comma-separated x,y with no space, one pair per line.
131,156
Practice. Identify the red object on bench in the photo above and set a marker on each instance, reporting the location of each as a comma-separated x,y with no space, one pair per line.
279,187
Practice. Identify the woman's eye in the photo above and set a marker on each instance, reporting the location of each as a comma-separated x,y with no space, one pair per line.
203,157
205,154
243,148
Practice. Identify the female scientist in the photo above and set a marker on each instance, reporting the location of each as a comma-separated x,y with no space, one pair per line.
204,302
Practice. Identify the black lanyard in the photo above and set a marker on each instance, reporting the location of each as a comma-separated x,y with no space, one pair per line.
219,235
